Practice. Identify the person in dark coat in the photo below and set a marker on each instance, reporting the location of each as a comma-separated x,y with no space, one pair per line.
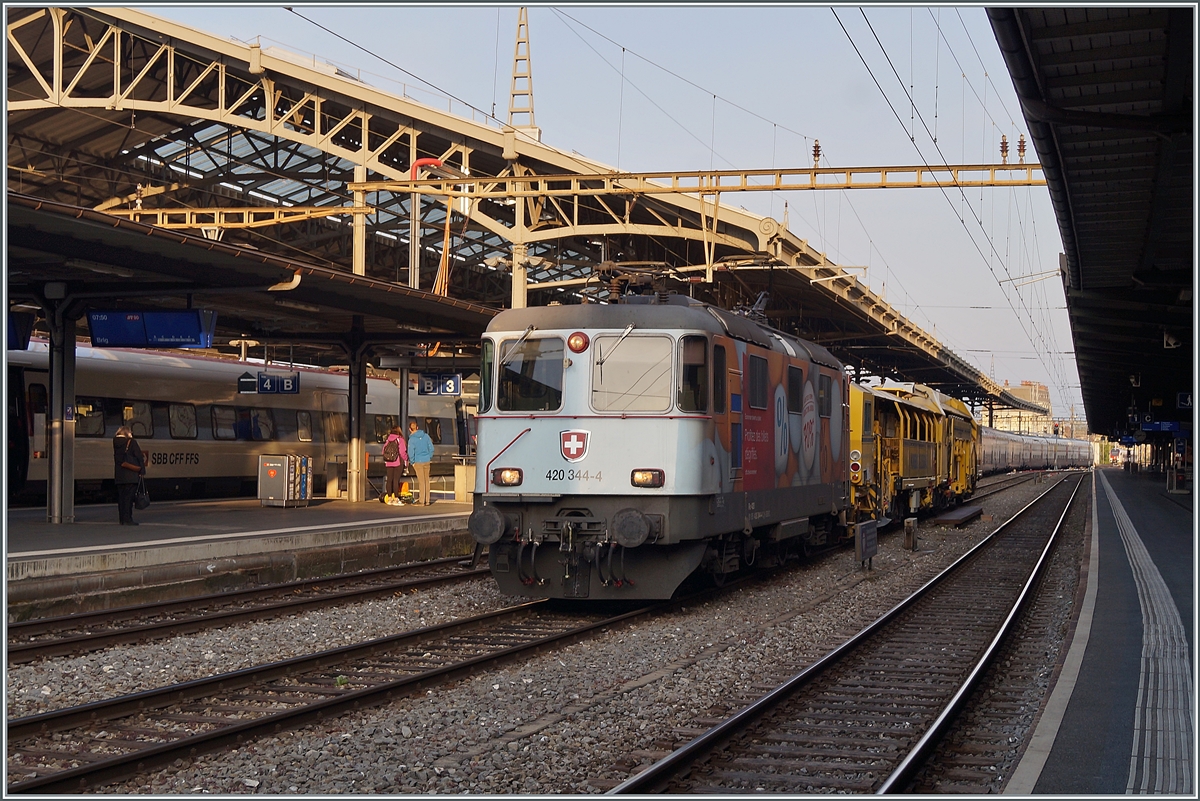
129,464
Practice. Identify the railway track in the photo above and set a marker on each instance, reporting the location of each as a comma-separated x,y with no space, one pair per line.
31,640
865,716
84,747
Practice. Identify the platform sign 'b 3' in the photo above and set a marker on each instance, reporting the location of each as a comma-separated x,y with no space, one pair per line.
439,384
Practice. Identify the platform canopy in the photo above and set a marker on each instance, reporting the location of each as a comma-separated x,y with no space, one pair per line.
118,112
1108,94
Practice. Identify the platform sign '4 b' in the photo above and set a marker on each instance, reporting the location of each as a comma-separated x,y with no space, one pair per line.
278,383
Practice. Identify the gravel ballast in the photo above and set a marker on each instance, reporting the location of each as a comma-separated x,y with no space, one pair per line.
580,719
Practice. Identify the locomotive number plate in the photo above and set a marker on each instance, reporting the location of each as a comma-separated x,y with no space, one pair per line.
572,475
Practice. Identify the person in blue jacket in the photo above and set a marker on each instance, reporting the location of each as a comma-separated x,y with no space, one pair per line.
420,454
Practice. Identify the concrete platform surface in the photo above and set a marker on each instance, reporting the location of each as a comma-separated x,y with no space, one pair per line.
193,547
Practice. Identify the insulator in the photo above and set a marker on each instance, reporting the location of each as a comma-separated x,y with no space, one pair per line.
1004,148
816,153
1021,148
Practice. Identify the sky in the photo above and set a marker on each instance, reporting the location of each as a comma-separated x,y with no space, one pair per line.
689,87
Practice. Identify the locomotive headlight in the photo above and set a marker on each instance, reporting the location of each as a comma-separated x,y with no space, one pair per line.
648,478
507,476
578,342
854,457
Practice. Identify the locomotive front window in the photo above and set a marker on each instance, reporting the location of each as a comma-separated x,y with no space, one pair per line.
531,375
693,374
486,370
632,377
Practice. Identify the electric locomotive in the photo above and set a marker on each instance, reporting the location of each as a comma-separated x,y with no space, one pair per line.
624,446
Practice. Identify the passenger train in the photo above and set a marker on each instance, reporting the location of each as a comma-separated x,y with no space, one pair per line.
201,436
623,447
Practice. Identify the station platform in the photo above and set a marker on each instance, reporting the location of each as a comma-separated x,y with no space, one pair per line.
185,548
1120,717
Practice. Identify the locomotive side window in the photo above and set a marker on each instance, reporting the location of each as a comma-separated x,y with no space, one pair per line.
224,422
825,395
531,375
693,374
89,417
719,385
486,370
795,390
633,375
136,415
182,420
758,383
304,426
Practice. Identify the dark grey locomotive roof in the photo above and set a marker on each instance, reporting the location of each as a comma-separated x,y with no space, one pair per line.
645,313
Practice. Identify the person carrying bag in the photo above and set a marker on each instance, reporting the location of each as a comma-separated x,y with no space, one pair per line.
129,467
395,456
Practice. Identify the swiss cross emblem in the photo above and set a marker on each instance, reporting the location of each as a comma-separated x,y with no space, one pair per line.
574,444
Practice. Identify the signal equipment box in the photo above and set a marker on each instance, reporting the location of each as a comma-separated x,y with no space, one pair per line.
285,480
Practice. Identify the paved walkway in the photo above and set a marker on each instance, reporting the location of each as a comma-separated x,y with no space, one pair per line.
1121,717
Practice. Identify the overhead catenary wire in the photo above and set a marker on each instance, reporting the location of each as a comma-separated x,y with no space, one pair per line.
1033,335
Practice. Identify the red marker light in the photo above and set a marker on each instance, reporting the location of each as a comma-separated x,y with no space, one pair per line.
578,342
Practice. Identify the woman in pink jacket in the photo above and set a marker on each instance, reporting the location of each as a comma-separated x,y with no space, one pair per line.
395,456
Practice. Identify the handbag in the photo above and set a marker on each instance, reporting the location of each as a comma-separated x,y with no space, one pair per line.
141,498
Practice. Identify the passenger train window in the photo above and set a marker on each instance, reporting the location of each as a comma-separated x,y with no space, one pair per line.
224,422
262,425
485,376
719,379
693,374
136,415
182,420
336,424
795,390
825,395
531,375
384,423
758,383
304,426
89,417
633,375
37,399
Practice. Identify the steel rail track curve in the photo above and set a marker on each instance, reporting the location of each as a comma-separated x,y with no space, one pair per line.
870,731
83,633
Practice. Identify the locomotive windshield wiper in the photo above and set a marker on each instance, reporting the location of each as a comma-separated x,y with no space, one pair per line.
600,362
515,345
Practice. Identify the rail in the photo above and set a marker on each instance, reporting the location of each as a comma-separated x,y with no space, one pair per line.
896,693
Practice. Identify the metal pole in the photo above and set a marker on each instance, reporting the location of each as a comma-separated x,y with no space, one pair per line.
519,279
60,489
359,257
